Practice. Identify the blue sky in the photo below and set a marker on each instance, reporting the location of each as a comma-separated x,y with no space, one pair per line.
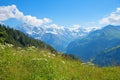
64,12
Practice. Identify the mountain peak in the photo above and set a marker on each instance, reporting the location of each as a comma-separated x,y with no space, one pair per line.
95,42
57,36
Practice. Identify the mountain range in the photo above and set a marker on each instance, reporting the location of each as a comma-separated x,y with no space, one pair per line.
57,37
85,45
95,44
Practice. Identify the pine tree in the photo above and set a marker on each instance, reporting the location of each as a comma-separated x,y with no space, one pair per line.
3,34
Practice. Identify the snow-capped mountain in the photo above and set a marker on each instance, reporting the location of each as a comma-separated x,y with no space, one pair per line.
58,37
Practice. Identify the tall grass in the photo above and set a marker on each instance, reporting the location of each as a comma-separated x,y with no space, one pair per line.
34,64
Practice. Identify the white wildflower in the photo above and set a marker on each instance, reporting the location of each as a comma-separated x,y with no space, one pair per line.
14,54
45,59
22,50
33,47
38,59
2,46
19,48
63,62
53,54
42,51
49,53
88,64
44,55
83,64
48,56
9,45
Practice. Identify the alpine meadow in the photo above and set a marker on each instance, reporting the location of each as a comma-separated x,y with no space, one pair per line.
60,40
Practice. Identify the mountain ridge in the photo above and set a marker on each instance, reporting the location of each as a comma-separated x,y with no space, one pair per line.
57,37
109,57
94,43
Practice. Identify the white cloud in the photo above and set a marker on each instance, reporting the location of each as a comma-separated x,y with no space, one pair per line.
46,20
7,12
113,18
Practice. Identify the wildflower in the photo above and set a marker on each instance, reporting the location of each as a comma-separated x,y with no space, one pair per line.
14,54
33,47
83,63
42,51
38,59
88,64
19,48
45,59
22,50
2,46
49,53
63,62
53,54
48,56
44,55
9,45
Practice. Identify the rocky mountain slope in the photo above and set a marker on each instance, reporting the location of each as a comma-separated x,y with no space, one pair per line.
57,37
97,41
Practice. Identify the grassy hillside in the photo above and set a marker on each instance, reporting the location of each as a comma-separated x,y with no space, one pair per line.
17,38
34,64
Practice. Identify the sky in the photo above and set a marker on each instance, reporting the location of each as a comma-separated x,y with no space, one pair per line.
66,13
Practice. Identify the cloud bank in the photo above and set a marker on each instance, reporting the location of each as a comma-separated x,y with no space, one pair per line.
113,18
11,11
7,12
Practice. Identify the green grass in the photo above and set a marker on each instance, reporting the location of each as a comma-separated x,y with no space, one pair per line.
34,64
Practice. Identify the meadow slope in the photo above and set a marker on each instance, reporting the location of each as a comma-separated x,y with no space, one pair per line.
36,64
